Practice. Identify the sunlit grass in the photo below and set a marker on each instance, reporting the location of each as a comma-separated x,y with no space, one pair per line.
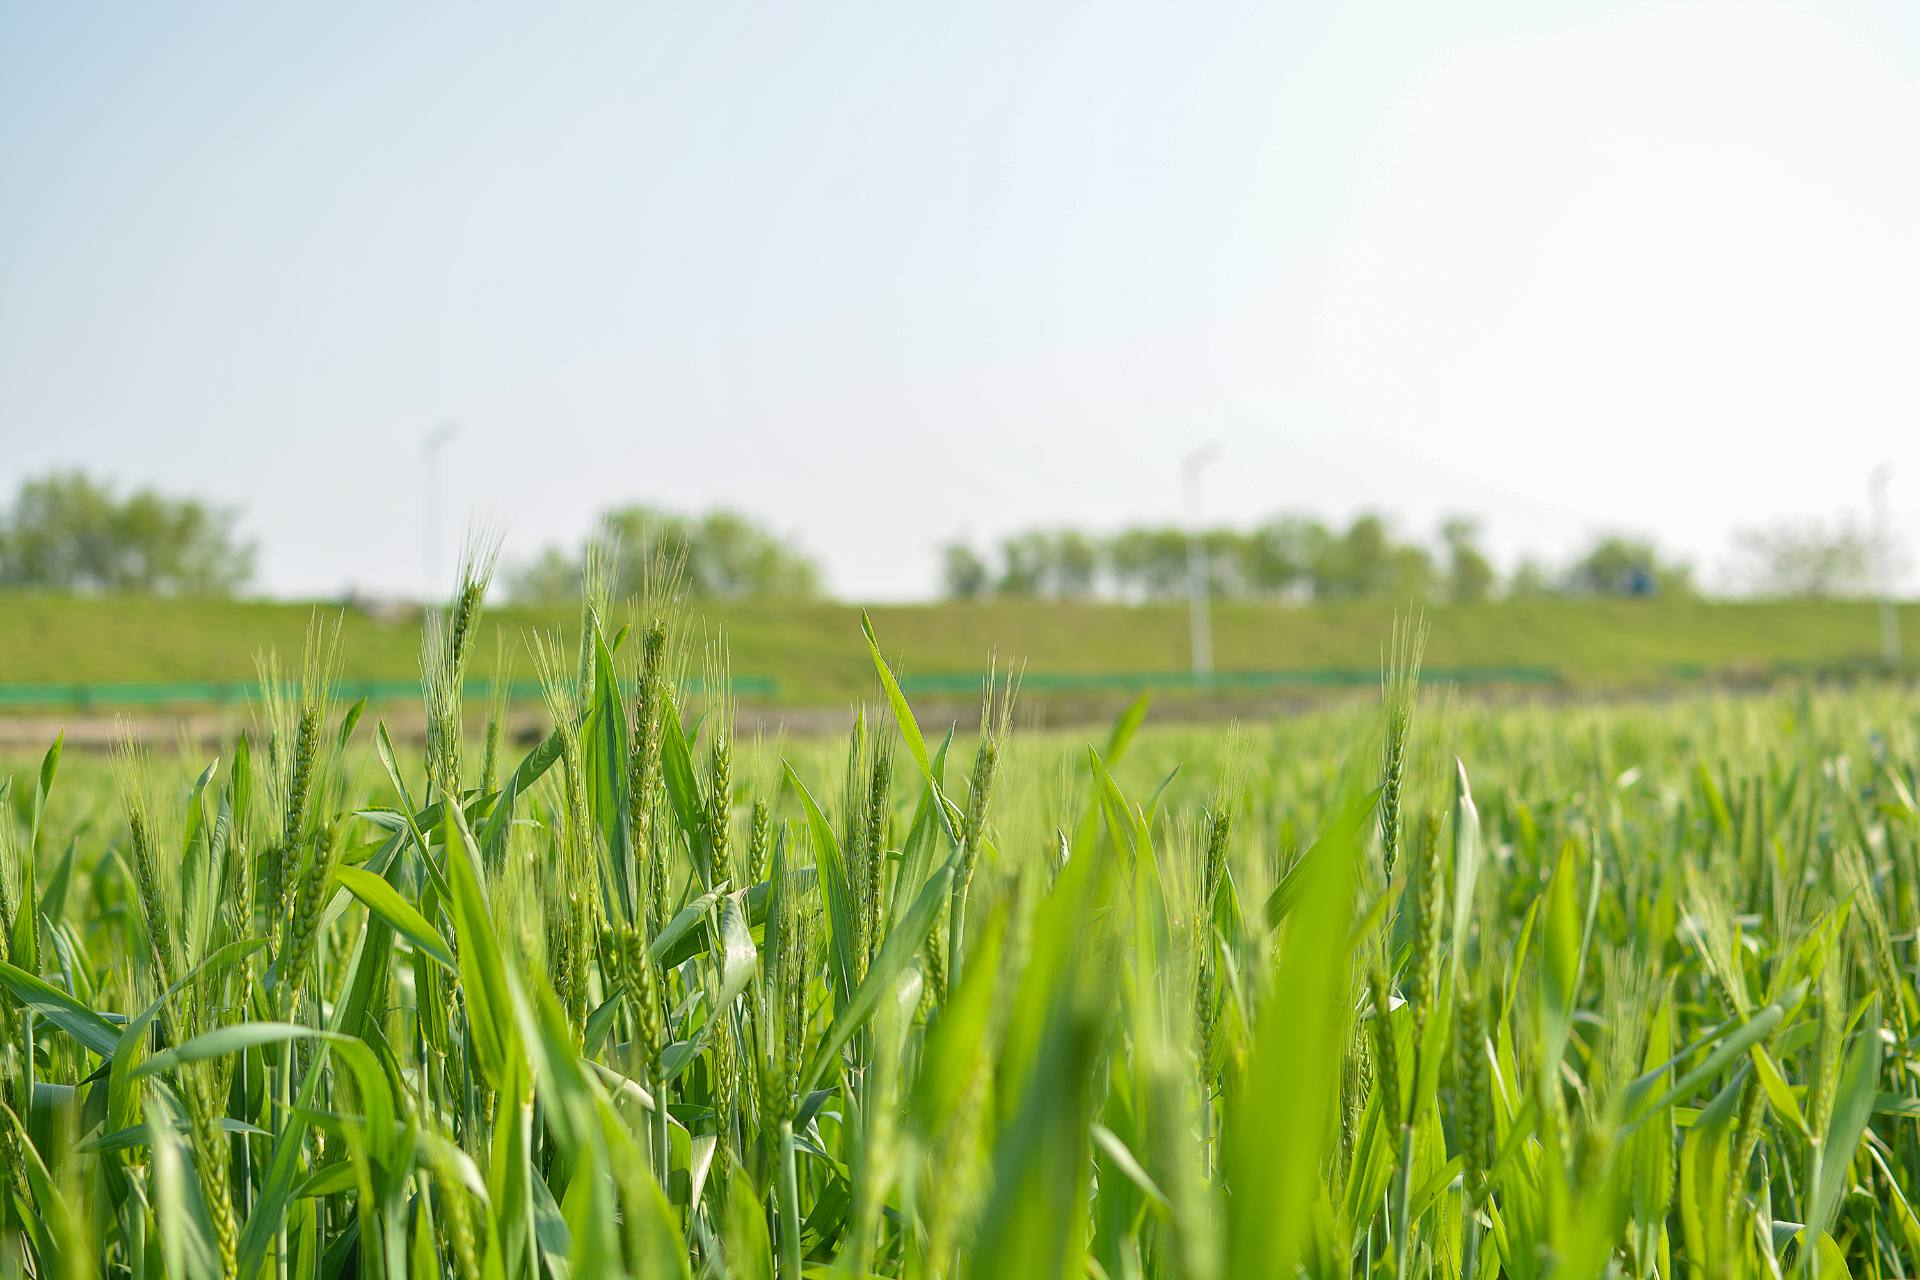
1417,988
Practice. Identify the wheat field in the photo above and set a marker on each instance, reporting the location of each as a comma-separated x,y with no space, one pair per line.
1404,988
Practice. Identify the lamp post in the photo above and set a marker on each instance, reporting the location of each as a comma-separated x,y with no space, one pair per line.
1200,625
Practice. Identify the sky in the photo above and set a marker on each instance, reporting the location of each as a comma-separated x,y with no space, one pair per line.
888,275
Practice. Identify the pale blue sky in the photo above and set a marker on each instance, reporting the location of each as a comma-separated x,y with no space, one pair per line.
884,273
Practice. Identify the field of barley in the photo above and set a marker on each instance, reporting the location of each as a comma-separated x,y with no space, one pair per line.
1405,987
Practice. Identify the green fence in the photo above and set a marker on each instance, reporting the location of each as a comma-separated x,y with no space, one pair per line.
200,693
219,693
1227,681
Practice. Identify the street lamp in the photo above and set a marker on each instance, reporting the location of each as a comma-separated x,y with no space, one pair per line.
430,446
1200,626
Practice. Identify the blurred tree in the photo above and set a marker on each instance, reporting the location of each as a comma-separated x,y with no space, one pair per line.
1530,580
1281,553
719,556
1024,565
1150,563
1804,559
1294,556
1470,575
1350,564
963,574
549,578
1366,562
1412,575
1059,564
1621,566
729,557
1076,565
1229,556
67,532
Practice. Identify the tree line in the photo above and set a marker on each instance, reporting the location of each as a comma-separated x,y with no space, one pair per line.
69,532
1296,557
721,555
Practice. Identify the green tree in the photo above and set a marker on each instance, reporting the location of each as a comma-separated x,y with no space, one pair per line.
1366,562
1616,565
1470,575
1149,564
1281,554
68,532
1024,564
550,577
1808,561
1076,565
722,555
1229,558
1061,564
963,574
1531,580
1410,574
729,557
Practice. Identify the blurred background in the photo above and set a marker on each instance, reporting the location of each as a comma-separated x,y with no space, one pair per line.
1169,347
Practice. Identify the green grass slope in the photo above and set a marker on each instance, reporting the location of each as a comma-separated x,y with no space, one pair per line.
815,654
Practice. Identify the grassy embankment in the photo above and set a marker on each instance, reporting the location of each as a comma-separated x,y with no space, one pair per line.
808,651
1392,990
